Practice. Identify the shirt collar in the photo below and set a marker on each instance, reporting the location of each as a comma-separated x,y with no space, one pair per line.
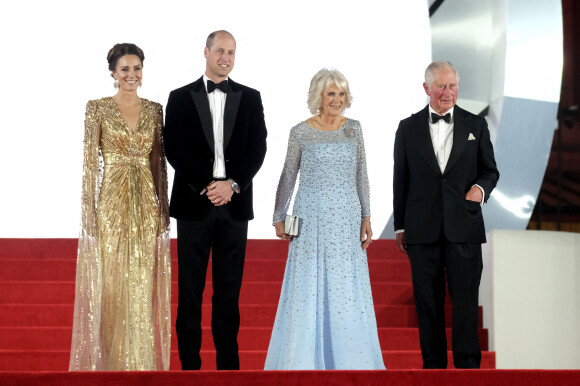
205,79
450,111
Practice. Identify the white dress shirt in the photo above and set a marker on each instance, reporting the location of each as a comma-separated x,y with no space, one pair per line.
442,139
217,103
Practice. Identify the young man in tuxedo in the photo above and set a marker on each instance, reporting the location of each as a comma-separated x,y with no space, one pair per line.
444,171
215,139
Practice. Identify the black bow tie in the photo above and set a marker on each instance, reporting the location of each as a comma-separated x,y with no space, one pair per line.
437,117
223,86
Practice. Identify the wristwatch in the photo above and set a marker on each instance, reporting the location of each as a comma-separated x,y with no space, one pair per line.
235,185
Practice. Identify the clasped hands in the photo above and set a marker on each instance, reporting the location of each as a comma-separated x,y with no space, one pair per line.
219,192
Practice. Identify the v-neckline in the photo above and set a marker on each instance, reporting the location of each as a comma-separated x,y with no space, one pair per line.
125,120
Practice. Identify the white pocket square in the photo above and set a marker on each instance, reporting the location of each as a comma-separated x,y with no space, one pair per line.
471,137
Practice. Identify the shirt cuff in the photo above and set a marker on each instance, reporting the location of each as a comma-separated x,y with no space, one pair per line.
482,193
399,231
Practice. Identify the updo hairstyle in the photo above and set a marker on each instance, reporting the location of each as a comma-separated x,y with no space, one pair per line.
122,49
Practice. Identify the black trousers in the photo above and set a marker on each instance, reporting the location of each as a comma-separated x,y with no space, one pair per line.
463,265
226,238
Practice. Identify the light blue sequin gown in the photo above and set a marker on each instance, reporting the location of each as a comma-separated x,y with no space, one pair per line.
325,317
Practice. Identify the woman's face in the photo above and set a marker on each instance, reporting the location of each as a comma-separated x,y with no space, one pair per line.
129,72
333,99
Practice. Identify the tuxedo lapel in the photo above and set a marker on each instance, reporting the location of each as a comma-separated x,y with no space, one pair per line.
422,137
460,136
199,95
231,110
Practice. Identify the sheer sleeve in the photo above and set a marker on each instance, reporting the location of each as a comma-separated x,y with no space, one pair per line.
362,178
86,336
288,177
159,170
162,276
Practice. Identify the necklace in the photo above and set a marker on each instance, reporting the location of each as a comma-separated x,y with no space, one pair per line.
324,127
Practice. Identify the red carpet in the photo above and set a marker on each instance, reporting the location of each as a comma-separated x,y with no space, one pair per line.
37,286
326,378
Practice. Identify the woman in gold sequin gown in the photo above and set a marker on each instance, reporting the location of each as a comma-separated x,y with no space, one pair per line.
122,314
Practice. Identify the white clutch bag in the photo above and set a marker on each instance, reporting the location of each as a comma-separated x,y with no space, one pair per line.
291,225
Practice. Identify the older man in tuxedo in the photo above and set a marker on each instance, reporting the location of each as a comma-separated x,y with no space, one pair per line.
215,139
444,171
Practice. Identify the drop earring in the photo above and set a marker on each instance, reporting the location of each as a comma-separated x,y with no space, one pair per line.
116,84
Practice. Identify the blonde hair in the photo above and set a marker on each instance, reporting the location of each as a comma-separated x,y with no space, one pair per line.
321,81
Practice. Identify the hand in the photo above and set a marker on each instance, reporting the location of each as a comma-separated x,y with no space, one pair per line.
400,237
219,192
279,226
474,194
365,233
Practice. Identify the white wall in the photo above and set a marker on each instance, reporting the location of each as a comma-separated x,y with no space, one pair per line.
530,293
54,60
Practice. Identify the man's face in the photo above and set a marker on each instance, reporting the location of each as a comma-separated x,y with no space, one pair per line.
443,90
220,57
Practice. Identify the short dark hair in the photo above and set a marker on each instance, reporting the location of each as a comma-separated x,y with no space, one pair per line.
211,37
121,49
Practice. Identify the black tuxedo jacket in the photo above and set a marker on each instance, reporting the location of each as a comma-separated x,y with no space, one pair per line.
426,199
189,147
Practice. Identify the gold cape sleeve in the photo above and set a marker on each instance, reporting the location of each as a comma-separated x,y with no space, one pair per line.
86,335
162,271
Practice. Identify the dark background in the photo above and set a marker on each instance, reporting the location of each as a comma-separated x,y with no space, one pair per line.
558,204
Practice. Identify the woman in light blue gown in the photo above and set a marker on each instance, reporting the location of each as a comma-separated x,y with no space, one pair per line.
326,318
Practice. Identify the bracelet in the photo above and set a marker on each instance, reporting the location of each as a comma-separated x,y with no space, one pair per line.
364,219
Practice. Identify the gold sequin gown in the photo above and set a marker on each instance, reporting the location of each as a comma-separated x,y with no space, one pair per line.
122,313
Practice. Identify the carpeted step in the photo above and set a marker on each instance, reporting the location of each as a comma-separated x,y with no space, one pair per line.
38,248
271,249
60,292
252,315
57,360
391,377
249,338
63,269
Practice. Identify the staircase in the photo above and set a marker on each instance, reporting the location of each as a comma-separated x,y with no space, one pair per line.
36,305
